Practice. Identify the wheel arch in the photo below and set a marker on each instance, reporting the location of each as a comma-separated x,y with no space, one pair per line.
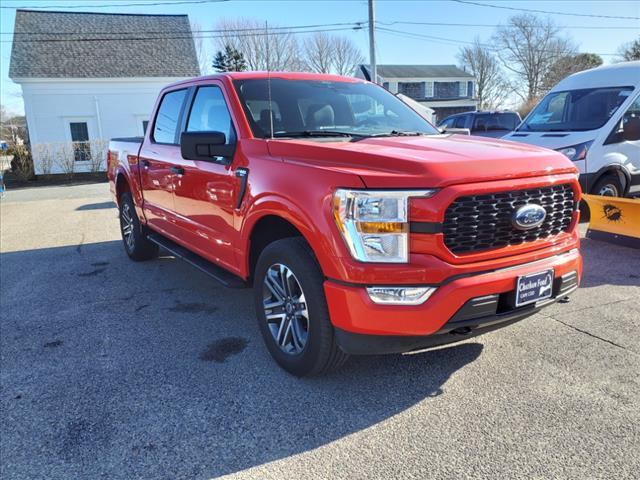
122,185
275,219
622,173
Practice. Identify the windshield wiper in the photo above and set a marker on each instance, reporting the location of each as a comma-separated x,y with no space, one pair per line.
315,133
398,133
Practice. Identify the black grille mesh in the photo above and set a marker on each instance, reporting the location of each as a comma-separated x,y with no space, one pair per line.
483,222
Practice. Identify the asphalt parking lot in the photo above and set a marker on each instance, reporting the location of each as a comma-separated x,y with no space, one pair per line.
115,369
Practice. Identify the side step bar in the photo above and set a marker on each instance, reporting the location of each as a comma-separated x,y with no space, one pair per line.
223,276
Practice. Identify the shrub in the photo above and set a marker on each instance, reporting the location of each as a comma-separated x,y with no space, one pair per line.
22,163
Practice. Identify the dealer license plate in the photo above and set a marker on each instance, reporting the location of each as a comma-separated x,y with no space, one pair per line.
534,287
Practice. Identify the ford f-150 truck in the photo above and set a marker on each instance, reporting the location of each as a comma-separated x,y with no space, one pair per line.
361,227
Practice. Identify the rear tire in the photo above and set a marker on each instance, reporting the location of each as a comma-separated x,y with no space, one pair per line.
136,244
609,186
289,289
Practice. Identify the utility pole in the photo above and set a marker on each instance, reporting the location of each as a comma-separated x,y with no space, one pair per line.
373,68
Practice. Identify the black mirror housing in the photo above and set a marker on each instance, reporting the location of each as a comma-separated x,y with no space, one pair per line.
631,129
206,146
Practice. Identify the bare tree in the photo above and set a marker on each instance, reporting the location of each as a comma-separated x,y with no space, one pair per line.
528,46
491,85
262,48
319,52
201,52
629,51
346,56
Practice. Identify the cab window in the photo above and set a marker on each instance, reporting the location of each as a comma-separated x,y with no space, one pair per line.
209,113
166,123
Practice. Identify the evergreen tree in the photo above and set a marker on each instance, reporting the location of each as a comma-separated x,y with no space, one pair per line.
229,60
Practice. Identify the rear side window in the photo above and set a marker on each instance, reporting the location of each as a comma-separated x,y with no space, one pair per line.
209,113
166,124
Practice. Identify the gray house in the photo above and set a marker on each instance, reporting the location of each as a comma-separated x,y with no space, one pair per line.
446,89
87,77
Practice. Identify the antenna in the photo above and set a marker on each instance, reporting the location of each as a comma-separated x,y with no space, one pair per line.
266,27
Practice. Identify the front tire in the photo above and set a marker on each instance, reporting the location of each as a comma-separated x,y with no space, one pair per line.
136,244
608,186
292,310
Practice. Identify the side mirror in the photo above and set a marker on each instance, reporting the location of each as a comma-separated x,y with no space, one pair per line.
206,146
631,129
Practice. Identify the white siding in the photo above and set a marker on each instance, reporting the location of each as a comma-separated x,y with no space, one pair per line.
110,107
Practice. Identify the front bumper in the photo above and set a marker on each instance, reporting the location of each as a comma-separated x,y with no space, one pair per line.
465,305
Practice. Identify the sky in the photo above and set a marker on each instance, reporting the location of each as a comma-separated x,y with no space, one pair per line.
391,47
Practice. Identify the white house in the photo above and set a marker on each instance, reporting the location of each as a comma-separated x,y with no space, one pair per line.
88,77
446,89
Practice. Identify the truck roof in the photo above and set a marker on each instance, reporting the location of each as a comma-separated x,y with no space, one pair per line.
282,75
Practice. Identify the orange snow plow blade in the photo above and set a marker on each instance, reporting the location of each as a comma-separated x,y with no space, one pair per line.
614,219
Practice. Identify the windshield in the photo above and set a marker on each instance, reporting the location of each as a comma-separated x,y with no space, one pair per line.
495,121
321,107
576,110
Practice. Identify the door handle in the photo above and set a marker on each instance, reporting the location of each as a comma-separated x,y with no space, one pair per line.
177,170
145,163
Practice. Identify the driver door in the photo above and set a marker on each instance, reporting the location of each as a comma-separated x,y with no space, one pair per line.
623,144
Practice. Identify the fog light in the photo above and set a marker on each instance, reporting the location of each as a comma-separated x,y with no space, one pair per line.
400,295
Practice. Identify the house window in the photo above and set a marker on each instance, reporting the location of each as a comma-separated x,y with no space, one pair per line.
80,141
413,90
429,89
385,85
447,89
145,124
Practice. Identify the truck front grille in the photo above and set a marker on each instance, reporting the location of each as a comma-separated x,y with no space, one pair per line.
484,222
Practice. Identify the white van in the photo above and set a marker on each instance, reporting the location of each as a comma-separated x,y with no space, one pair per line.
593,117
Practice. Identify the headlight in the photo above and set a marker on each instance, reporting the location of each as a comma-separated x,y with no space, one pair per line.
576,152
375,223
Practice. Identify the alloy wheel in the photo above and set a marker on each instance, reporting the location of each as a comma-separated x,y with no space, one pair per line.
285,309
608,190
128,226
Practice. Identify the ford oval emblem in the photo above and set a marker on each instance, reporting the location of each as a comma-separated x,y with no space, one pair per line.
528,216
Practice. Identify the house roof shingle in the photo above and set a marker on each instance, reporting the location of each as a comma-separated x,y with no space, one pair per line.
420,71
101,45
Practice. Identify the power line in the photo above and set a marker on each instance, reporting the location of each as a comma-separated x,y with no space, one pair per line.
450,40
292,27
151,4
442,24
531,10
173,37
162,32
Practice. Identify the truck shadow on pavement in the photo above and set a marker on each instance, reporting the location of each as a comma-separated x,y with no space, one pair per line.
139,388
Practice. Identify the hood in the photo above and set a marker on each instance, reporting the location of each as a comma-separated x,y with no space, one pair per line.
552,140
424,161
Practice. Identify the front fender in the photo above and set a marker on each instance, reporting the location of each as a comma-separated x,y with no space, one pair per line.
319,231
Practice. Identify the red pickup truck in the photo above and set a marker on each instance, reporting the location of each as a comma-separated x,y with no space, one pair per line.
361,227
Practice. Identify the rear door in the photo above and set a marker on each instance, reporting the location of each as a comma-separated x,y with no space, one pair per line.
206,192
158,158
